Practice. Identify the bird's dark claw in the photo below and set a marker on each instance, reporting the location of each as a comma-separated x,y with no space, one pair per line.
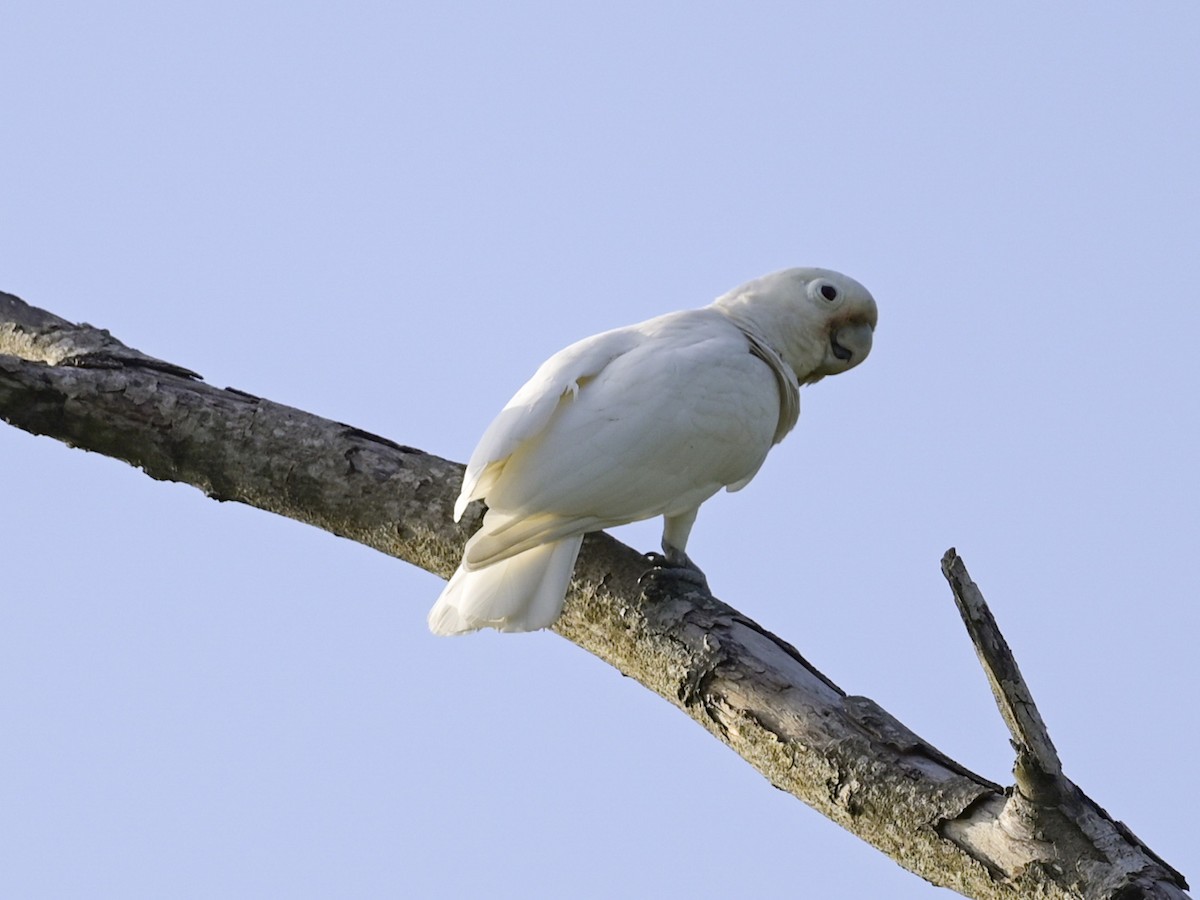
675,573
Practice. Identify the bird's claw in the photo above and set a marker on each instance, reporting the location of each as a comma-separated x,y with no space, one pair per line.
680,571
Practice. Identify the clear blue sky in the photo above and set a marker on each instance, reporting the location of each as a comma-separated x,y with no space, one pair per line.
389,214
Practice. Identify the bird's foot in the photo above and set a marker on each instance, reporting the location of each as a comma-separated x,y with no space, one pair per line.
674,572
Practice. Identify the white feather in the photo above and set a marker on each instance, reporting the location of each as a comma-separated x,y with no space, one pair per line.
521,593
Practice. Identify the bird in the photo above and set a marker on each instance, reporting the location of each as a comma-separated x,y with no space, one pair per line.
647,420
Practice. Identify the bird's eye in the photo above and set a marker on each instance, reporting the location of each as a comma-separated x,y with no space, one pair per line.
824,293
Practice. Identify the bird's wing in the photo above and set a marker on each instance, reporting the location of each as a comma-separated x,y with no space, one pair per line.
531,408
685,410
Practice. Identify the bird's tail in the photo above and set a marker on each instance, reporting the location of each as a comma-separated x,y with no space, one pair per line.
522,593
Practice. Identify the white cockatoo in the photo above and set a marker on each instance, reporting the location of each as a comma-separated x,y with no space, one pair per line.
642,421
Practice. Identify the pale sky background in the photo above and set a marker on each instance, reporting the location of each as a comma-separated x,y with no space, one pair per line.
389,214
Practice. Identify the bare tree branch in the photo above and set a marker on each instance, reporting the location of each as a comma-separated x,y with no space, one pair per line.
843,755
1038,769
1043,802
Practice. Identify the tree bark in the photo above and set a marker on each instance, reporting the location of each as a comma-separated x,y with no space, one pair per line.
843,755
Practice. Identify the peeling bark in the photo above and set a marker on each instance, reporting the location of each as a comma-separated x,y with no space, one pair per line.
843,755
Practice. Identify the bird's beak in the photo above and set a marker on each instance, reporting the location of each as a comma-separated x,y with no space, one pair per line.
851,343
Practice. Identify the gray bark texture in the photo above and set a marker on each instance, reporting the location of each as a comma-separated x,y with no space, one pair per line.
843,755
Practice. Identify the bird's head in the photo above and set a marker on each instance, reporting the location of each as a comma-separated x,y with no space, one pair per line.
819,321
